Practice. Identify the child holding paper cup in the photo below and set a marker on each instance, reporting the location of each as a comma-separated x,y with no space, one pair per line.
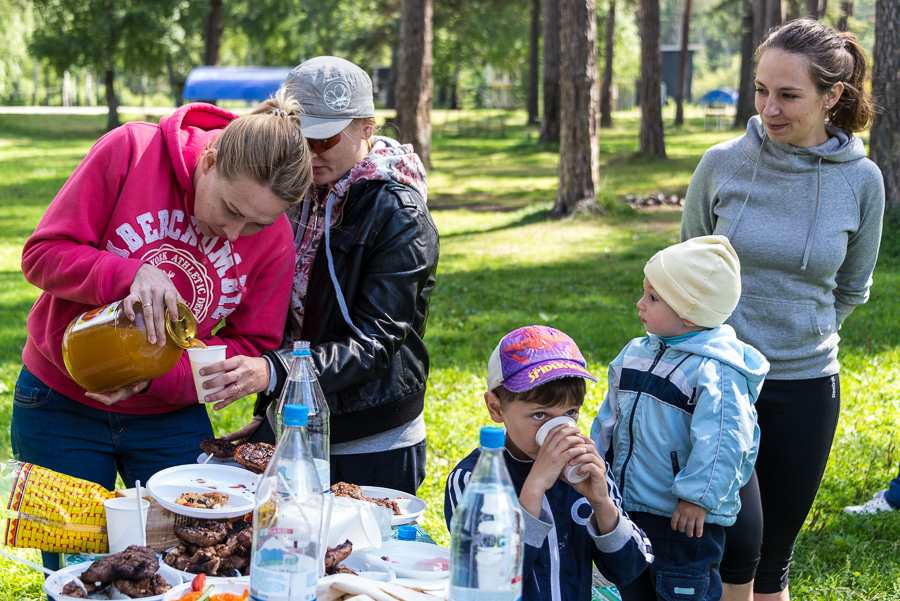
573,510
679,419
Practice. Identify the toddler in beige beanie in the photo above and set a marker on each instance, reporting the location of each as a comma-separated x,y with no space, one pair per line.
700,279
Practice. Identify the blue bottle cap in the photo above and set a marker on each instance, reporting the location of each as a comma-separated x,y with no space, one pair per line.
492,437
296,414
301,348
407,533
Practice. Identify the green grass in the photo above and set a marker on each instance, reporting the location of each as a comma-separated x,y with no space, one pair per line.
504,265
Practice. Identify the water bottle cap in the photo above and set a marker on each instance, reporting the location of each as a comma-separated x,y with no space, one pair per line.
301,348
296,414
492,437
407,533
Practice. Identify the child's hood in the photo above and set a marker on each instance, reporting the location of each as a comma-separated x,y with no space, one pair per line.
187,133
722,344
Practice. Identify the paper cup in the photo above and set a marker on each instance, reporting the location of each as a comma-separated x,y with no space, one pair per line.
571,472
493,567
356,523
123,527
205,356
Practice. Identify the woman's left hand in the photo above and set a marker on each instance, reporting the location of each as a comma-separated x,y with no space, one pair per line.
240,375
119,394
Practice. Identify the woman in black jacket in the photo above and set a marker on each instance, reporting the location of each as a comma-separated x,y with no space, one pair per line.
362,285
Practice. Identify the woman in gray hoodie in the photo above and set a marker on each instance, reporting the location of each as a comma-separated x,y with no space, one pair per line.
802,206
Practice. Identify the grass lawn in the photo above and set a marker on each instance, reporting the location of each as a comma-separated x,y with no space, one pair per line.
504,265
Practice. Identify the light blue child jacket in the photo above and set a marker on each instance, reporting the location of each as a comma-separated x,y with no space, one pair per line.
680,423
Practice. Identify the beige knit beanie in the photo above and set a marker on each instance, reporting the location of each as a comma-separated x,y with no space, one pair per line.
700,279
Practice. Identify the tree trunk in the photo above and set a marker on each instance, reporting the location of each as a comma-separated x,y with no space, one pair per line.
651,140
550,118
112,103
414,77
812,8
746,107
214,27
682,64
579,152
606,86
534,61
884,137
454,85
792,11
846,14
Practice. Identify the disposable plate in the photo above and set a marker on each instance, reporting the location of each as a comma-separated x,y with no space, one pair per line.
411,507
412,559
220,586
239,484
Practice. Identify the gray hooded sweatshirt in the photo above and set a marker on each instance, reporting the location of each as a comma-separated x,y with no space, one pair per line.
806,225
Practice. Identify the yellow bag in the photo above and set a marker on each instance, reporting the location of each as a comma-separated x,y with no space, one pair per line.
50,511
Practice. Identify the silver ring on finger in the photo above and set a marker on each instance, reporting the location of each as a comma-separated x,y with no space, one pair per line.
238,387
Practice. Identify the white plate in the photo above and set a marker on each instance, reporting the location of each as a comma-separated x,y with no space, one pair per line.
370,566
54,584
220,586
411,507
239,484
411,559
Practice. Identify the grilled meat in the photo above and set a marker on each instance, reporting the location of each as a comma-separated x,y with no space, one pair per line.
134,563
206,534
147,587
342,489
212,548
73,590
223,449
335,555
254,456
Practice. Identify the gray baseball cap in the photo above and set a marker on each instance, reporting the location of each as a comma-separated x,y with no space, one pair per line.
332,92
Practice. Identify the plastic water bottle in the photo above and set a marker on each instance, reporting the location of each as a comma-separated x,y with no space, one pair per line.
486,545
287,519
302,387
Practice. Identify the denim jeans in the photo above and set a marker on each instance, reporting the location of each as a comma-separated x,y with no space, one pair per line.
55,432
683,568
892,496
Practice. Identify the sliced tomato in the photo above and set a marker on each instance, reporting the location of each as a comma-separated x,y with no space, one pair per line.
198,583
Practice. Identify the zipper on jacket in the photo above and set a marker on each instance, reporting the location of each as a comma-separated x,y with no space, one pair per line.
673,456
623,488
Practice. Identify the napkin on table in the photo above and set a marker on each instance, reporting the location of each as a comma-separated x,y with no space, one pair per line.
347,587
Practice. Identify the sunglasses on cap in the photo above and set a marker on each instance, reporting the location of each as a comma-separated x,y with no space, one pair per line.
320,146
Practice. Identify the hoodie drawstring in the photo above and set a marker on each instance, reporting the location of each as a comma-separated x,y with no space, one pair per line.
749,188
815,220
342,303
812,230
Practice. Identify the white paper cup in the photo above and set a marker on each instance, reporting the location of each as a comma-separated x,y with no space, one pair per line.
356,523
205,356
571,472
123,528
493,567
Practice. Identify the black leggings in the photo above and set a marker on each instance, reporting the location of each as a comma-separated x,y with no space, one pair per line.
797,421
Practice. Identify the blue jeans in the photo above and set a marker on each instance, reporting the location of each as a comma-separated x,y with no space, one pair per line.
683,568
55,432
892,496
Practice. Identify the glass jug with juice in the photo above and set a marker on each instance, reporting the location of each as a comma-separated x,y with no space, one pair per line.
104,350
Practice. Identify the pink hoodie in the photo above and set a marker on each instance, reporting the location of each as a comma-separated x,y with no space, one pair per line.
131,202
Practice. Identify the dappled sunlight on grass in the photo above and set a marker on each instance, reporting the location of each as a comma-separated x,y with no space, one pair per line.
503,265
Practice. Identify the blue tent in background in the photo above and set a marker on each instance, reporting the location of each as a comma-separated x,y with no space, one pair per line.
253,84
720,96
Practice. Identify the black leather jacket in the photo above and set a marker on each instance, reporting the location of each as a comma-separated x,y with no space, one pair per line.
385,251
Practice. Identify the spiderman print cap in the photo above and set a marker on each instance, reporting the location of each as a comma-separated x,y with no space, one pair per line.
534,355
332,92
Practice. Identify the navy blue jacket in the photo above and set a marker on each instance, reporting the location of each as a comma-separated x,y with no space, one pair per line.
561,544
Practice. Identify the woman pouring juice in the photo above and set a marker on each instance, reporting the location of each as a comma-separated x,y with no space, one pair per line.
191,212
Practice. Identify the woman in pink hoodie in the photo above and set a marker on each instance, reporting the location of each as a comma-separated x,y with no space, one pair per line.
193,210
